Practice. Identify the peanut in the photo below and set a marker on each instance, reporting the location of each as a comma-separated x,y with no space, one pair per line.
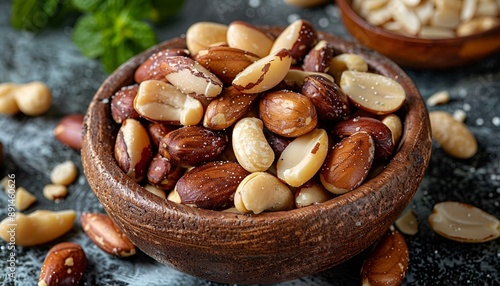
203,34
8,104
303,157
261,191
33,98
249,38
453,136
55,192
64,173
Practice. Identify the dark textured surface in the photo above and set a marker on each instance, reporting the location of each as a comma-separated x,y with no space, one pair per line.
30,151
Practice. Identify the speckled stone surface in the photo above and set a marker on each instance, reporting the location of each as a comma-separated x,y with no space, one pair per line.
30,152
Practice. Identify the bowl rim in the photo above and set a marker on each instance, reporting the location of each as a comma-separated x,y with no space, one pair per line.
346,8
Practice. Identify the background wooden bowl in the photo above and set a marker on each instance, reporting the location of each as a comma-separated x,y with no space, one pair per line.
416,52
269,247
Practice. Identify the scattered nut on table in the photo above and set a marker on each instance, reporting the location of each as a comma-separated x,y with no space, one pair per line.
387,262
64,173
106,235
463,222
69,130
24,199
64,264
32,98
453,136
38,227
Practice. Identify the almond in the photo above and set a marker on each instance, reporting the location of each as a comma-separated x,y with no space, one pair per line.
225,62
122,103
64,265
69,131
228,108
212,185
150,68
163,174
348,163
192,145
288,113
384,145
106,235
330,101
387,262
318,59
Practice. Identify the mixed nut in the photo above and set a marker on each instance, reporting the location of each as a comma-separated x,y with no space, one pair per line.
247,120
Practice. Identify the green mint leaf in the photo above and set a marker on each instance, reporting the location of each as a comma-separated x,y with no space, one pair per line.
33,15
87,5
129,38
87,36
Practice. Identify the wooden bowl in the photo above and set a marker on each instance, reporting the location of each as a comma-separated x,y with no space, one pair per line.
269,247
416,52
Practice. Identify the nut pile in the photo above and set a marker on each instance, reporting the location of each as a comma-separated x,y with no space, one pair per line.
431,18
251,122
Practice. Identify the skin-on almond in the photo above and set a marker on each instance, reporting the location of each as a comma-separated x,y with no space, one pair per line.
106,235
228,108
225,62
163,174
318,59
212,185
387,262
348,163
330,101
288,113
64,265
384,145
150,68
69,131
192,145
122,103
